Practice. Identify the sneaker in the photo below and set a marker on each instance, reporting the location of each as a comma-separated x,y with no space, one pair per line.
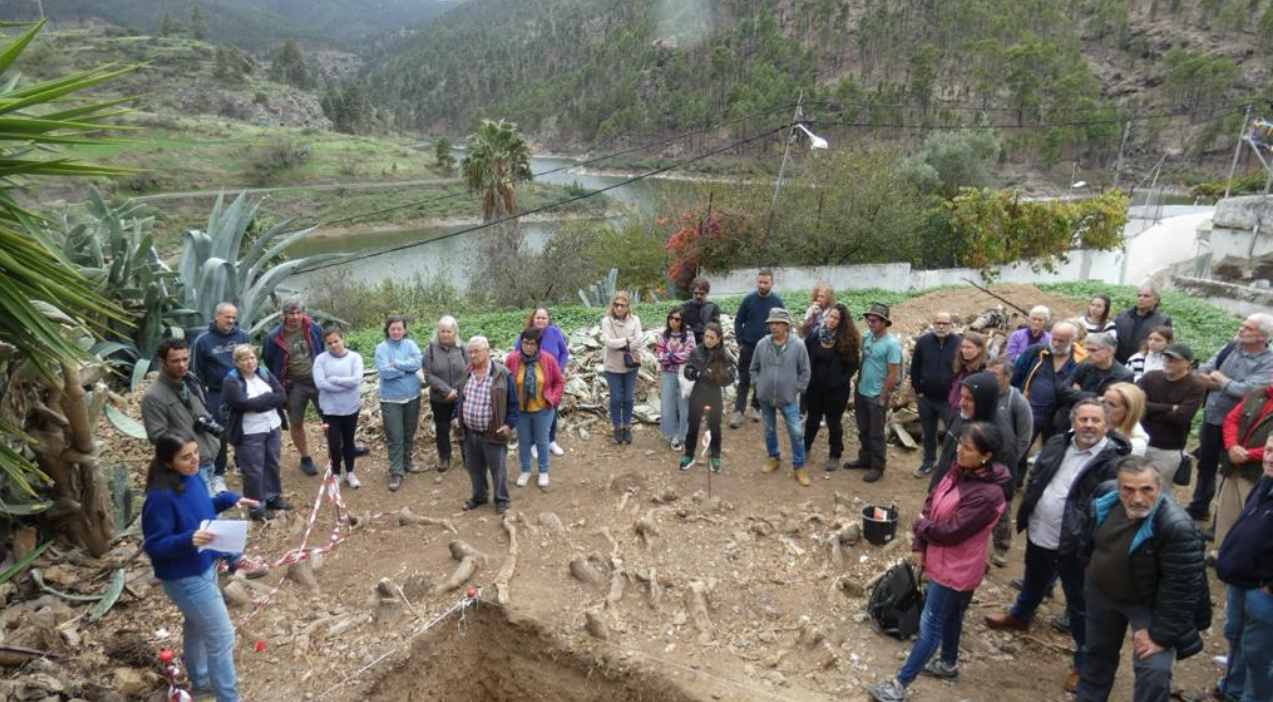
542,480
361,451
857,464
890,691
556,448
686,462
251,568
677,445
218,485
279,504
832,463
501,509
735,420
999,559
802,477
771,464
534,451
523,479
352,481
923,471
627,435
444,464
873,475
941,669
308,467
755,414
260,515
413,468
1060,624
714,465
395,482
471,504
618,436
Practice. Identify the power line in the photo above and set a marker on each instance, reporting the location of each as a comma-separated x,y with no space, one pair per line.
552,205
575,164
960,108
1074,123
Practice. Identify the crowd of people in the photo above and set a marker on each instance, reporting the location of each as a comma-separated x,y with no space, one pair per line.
1108,399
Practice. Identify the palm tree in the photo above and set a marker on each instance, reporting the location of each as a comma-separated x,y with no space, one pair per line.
47,307
495,155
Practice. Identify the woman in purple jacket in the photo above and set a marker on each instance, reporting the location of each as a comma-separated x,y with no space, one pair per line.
553,343
950,544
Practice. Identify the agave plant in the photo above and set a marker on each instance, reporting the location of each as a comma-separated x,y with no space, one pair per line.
211,271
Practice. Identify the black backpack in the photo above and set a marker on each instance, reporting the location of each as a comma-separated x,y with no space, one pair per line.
896,602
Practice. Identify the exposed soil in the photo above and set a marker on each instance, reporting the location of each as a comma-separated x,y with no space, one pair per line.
708,587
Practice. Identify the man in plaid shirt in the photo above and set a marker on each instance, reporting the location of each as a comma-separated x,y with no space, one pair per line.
486,412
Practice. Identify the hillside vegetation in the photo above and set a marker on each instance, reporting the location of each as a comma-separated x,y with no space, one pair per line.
594,71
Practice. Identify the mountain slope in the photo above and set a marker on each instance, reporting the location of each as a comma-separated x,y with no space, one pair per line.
592,71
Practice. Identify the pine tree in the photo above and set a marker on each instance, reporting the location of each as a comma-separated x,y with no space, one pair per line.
442,151
169,26
289,65
198,28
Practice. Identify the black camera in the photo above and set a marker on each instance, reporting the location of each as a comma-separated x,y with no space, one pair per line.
205,423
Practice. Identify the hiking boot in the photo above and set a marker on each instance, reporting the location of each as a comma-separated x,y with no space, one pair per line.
686,462
771,465
833,463
556,449
857,464
218,485
1001,621
352,481
413,468
924,470
618,436
471,504
523,479
890,691
501,509
279,503
940,669
873,475
444,464
308,467
999,559
260,515
627,435
395,482
802,477
714,465
735,420
1060,624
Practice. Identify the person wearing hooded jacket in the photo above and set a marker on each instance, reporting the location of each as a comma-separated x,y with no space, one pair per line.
978,402
211,362
1144,562
1054,504
950,544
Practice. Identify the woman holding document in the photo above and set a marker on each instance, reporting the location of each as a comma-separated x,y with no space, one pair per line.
177,504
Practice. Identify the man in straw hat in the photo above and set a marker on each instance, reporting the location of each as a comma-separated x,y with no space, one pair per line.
881,370
780,371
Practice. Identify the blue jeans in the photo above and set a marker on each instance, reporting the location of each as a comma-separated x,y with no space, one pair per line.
207,634
675,410
1248,626
941,623
791,414
622,395
206,470
532,427
1042,566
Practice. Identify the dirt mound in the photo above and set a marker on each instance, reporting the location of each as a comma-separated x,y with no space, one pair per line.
913,316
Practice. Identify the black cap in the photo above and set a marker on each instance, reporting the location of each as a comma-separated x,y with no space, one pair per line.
1179,351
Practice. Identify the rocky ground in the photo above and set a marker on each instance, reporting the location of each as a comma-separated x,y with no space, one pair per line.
627,580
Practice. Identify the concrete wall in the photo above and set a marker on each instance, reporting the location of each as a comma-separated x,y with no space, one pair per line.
1240,300
1238,221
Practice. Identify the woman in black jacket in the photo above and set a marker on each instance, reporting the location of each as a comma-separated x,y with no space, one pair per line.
712,369
255,399
833,361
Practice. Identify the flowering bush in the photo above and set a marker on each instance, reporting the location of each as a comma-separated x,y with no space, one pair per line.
700,241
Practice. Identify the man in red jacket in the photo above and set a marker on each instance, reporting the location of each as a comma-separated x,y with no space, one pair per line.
1245,430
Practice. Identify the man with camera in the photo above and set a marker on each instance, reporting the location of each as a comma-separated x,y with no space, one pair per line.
175,404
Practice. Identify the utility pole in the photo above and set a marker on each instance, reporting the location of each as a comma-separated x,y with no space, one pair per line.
786,152
1237,149
40,5
1118,167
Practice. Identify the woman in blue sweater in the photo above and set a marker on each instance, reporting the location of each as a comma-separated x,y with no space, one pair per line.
553,343
398,361
177,503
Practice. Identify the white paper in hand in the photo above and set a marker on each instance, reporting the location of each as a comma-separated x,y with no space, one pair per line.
231,535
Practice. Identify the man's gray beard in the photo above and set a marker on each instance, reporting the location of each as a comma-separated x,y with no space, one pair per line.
1063,351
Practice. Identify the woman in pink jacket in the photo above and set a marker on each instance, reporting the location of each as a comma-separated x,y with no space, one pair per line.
539,384
950,545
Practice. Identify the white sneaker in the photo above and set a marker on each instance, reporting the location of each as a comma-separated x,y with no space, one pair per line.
523,479
352,481
543,479
534,451
556,449
218,485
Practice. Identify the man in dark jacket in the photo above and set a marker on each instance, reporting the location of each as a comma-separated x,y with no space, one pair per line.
749,328
932,376
210,361
1094,375
1053,509
1133,325
1245,564
486,412
174,402
699,311
1144,560
289,352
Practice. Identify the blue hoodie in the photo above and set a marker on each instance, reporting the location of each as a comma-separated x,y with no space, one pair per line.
401,381
169,520
211,357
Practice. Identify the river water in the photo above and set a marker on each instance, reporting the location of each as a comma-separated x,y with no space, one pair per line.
437,254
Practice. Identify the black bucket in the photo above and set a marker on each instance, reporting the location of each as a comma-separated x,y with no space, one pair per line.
879,531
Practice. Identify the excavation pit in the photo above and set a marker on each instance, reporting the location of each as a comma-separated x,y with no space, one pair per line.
497,657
